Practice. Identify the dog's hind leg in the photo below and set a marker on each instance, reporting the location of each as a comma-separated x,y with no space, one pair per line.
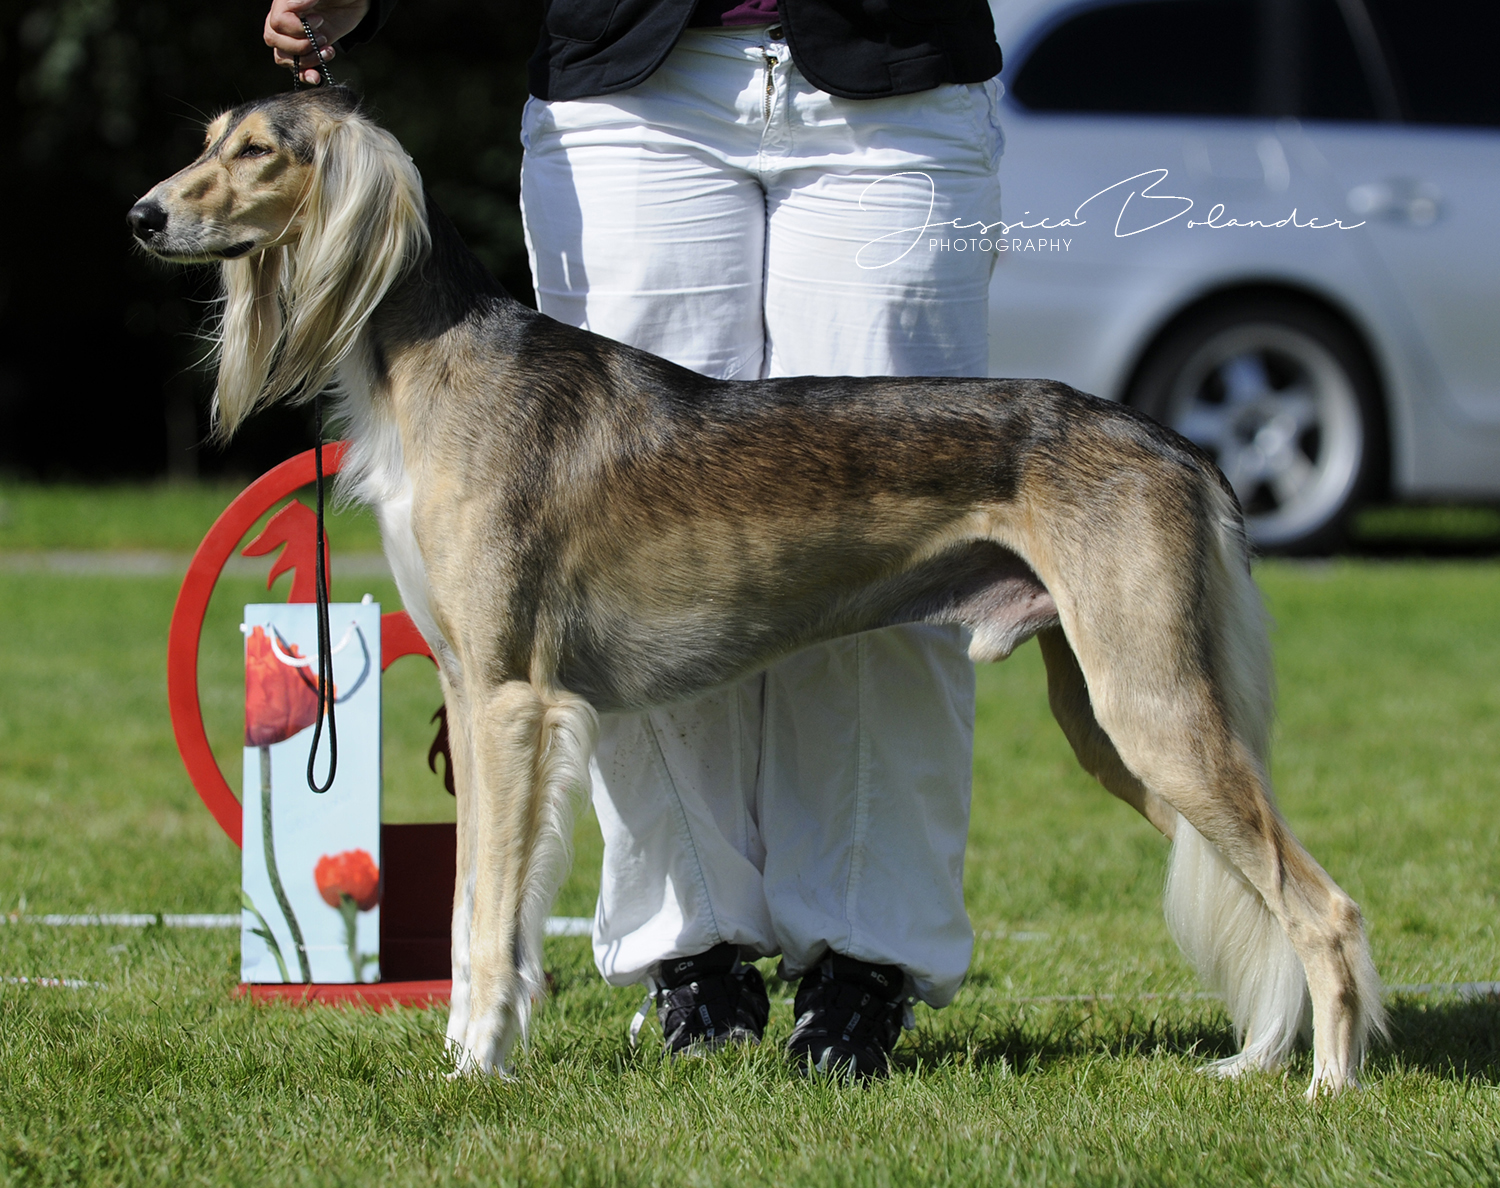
531,753
1068,695
1217,918
1178,683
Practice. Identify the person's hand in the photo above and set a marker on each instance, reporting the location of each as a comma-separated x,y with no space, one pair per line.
330,20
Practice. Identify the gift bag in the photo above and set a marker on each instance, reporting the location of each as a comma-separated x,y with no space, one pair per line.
310,877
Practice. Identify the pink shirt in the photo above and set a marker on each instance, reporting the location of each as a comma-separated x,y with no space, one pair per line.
733,12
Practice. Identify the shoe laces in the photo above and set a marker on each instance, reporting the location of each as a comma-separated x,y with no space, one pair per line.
853,1005
711,997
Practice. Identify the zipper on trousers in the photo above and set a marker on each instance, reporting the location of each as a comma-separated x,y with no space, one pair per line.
770,83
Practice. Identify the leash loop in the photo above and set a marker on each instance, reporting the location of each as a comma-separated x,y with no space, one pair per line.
325,634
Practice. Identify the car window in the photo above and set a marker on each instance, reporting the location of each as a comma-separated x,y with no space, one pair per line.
1443,52
1334,85
1157,57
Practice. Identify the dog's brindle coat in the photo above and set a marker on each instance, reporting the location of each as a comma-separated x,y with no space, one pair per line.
579,526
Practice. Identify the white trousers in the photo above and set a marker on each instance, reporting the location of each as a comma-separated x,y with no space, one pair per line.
729,216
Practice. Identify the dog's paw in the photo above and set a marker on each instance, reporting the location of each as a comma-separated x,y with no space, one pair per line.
469,1063
489,1041
1329,1081
1233,1067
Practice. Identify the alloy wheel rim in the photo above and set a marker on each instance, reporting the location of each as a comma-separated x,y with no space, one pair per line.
1279,415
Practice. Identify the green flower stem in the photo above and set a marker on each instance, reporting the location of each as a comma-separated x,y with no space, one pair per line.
350,911
265,934
269,845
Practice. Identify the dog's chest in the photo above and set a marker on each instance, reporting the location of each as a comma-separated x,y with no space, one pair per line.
409,570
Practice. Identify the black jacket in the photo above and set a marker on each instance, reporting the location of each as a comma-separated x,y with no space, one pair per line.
857,49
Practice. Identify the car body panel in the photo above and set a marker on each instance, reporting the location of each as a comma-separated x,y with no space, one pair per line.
1387,224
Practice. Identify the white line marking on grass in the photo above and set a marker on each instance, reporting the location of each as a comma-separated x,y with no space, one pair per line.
1462,989
1423,989
55,983
555,926
130,920
584,926
201,920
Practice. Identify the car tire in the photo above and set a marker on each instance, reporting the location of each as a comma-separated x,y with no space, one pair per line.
1282,396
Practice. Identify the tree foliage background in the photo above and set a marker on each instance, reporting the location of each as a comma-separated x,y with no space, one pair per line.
99,100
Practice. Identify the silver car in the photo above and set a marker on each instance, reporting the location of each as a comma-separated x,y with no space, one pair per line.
1271,224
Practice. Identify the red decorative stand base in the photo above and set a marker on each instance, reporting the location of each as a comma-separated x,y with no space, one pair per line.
376,996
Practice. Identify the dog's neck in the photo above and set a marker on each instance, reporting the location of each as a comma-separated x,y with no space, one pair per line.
449,286
447,290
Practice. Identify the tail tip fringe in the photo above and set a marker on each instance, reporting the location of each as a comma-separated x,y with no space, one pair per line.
1227,933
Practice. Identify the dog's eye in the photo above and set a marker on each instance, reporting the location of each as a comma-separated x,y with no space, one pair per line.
254,150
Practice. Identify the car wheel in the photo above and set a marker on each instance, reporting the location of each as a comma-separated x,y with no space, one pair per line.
1282,397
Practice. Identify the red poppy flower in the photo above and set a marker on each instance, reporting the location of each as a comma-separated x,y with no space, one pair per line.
280,699
352,873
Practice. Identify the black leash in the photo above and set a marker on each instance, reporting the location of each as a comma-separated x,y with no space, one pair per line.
325,635
320,569
327,79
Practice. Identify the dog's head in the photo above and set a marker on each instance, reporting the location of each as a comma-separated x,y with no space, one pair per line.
313,211
249,188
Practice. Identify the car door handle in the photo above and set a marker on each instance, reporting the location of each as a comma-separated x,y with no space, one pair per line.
1407,200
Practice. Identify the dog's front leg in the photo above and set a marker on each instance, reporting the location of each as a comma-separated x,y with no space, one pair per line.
530,753
504,728
460,755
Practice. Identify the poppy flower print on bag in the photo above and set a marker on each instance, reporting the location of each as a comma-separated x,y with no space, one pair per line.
310,880
280,699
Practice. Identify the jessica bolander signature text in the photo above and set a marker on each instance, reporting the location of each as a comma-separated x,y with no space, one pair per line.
1141,209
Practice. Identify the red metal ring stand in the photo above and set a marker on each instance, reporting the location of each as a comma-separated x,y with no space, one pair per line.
417,860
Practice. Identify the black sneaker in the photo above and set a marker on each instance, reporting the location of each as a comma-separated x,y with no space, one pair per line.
849,1017
710,1000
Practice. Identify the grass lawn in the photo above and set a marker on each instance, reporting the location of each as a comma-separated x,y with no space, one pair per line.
1387,762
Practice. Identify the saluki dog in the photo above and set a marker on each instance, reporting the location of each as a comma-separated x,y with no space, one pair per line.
577,526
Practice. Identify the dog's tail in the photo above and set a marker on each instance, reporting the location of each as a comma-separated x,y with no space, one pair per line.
1216,917
1225,929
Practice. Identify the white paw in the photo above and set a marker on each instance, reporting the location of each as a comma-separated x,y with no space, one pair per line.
1239,1065
488,1041
1328,1081
469,1062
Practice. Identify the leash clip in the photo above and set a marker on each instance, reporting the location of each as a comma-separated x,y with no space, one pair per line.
325,78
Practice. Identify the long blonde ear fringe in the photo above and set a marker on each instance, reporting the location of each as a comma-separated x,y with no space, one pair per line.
248,330
291,315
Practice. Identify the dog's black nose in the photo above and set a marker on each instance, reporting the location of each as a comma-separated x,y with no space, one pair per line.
146,219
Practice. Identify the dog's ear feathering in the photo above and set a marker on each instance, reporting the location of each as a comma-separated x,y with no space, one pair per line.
291,314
